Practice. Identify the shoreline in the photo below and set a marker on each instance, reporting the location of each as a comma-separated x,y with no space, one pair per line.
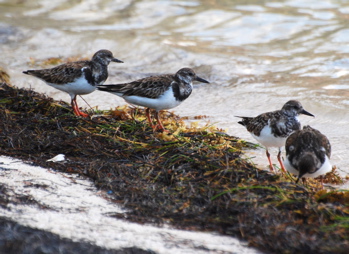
192,179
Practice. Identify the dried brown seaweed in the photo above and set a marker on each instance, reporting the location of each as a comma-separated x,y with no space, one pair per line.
193,178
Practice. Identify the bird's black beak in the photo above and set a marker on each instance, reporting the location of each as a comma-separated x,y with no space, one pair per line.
201,80
304,112
116,60
298,179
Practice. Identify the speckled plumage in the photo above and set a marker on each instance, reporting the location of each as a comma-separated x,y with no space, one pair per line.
307,153
156,92
282,122
65,73
77,78
150,87
271,129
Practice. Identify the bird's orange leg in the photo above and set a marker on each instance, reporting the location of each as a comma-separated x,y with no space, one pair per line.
322,182
280,161
161,127
76,108
270,164
147,113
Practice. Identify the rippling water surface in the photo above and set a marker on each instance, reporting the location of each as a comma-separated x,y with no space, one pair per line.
257,54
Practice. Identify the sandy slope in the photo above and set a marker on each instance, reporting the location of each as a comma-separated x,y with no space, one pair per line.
72,207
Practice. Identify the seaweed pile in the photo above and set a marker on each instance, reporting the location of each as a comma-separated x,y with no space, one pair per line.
191,178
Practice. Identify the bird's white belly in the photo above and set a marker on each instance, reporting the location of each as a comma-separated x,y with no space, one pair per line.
289,167
79,86
267,139
325,168
165,101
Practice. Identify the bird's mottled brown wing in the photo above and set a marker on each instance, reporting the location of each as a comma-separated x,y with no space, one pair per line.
150,87
308,139
326,144
62,74
320,138
292,140
256,124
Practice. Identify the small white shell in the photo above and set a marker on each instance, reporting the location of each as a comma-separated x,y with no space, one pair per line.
57,158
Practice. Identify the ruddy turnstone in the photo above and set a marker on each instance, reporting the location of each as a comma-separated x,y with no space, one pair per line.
156,92
308,153
77,78
271,129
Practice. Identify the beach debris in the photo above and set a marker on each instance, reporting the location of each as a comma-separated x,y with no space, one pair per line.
57,158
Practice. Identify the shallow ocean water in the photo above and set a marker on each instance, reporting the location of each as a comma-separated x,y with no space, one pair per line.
256,54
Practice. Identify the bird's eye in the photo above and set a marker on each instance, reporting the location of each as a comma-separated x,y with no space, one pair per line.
291,148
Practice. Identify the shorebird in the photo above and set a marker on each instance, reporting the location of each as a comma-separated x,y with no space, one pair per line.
77,78
156,92
308,153
271,129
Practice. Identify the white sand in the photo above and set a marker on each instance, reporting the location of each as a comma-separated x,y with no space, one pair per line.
78,211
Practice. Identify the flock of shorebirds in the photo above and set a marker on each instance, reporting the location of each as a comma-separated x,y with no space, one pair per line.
307,150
